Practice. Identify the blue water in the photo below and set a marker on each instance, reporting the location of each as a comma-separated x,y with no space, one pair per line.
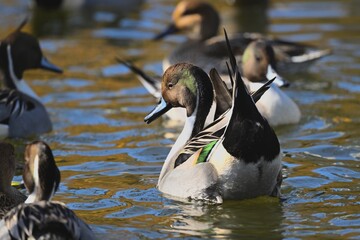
110,159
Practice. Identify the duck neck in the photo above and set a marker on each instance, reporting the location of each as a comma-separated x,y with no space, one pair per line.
203,111
204,108
12,79
45,181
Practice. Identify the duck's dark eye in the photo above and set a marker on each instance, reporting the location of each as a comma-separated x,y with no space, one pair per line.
258,58
170,85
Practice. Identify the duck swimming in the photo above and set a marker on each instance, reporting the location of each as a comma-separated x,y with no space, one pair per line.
21,112
39,217
200,22
258,65
236,157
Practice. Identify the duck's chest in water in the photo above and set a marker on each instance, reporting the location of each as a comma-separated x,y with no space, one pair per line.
239,180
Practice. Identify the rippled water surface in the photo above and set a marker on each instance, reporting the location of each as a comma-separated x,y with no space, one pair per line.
110,159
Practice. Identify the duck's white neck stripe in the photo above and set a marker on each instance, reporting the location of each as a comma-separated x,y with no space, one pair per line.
211,115
180,141
19,83
33,196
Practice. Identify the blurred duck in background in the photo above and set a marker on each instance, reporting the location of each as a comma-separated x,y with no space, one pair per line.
9,196
258,63
200,22
21,112
39,217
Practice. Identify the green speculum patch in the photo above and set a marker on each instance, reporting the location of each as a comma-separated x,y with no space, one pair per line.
205,152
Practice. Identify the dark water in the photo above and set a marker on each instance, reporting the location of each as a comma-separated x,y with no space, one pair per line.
110,160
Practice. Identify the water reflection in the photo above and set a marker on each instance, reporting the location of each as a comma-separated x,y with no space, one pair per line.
64,21
50,23
110,159
257,218
257,11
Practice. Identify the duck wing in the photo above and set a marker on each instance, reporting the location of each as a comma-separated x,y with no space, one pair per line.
45,220
24,115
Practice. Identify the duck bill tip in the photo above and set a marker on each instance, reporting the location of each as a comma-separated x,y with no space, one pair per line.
279,81
158,111
47,65
171,29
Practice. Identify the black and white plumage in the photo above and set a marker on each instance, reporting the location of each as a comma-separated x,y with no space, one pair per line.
236,157
43,220
39,217
257,66
21,112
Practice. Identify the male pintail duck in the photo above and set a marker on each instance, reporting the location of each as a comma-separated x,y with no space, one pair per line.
200,22
39,217
21,112
9,196
274,105
236,157
258,65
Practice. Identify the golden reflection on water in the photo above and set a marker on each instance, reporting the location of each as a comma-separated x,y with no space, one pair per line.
110,159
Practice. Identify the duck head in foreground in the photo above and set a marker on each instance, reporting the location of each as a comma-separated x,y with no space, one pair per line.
21,112
39,217
187,86
236,157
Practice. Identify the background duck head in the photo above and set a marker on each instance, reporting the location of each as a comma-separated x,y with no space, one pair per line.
259,63
41,175
19,52
197,19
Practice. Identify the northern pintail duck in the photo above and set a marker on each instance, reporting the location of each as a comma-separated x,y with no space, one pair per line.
277,107
237,156
200,22
21,112
38,217
258,65
9,196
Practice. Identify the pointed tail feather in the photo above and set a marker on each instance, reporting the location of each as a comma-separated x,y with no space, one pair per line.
152,85
222,94
231,54
247,132
258,93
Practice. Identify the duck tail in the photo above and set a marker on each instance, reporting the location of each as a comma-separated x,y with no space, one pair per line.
246,129
222,93
258,93
242,102
152,85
